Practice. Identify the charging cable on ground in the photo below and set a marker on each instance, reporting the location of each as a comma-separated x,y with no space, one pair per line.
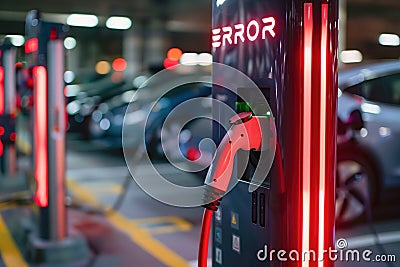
120,198
100,210
23,198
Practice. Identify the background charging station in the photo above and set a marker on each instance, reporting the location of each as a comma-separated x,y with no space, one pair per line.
7,110
289,49
12,181
44,49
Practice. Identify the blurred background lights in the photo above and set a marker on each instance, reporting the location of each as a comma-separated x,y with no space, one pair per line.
117,77
16,40
189,59
363,132
69,76
389,39
174,54
82,20
119,64
73,107
139,81
72,90
220,2
384,131
118,23
204,59
105,124
102,67
70,43
351,56
170,64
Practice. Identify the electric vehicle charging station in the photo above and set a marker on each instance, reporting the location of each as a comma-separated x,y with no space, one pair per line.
11,180
45,58
8,110
289,49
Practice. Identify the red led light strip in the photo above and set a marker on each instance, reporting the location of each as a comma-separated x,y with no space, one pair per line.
41,145
2,100
2,95
307,49
322,143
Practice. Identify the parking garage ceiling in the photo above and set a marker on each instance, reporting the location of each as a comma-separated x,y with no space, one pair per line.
174,12
187,19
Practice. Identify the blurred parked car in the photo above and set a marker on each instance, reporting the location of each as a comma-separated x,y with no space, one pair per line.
368,165
84,99
368,162
157,102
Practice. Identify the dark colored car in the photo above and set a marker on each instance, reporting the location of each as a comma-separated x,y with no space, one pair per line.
148,112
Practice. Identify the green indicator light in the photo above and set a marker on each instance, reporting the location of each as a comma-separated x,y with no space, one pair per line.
257,109
242,107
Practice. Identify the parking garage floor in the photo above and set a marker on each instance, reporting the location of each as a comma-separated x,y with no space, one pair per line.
145,232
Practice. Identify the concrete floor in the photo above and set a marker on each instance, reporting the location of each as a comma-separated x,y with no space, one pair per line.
111,169
145,232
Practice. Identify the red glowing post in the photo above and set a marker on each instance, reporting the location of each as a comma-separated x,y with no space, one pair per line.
322,144
318,115
2,100
2,95
40,135
307,50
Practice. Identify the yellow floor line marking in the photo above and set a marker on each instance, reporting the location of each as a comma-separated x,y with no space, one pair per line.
11,255
104,188
24,146
140,236
164,230
176,224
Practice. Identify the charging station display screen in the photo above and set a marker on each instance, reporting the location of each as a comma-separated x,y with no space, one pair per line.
242,33
246,35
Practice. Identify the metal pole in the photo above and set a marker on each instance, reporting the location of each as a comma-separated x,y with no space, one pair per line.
56,140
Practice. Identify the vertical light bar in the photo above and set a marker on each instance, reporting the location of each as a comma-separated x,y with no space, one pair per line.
2,102
322,140
41,146
307,43
2,94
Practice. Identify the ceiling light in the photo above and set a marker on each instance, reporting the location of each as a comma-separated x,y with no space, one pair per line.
118,23
16,40
351,56
189,59
82,20
204,59
69,76
69,43
72,90
389,39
